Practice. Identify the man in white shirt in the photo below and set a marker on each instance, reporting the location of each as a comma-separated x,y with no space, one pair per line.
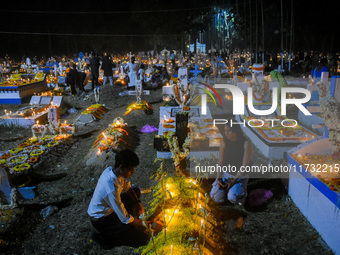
111,212
132,69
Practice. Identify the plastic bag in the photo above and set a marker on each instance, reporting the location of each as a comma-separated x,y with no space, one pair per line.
148,129
258,197
49,210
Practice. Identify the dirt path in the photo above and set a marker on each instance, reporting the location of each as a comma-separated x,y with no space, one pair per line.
278,228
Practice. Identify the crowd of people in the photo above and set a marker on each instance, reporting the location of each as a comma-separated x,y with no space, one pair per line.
82,68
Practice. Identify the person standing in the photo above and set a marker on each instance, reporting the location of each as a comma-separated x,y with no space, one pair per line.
94,66
132,69
72,78
107,68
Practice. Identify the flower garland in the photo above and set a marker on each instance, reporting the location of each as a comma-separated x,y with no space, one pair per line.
96,110
111,137
16,150
182,96
36,153
177,153
259,88
143,105
16,160
52,144
22,167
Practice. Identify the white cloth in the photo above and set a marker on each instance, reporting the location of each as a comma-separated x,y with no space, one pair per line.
106,197
141,74
133,69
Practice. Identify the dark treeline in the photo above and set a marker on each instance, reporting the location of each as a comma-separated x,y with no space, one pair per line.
67,27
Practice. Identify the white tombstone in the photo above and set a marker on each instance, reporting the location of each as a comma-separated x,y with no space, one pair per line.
183,76
45,100
53,116
35,100
57,100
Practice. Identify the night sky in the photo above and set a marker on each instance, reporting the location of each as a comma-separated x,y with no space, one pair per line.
67,27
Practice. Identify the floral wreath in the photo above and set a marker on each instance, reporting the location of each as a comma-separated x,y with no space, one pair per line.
39,129
259,88
15,150
22,167
52,144
182,96
177,153
17,160
36,153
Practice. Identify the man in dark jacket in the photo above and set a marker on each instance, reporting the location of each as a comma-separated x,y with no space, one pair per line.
107,67
94,65
72,78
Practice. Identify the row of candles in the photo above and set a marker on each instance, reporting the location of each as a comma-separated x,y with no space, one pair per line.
172,213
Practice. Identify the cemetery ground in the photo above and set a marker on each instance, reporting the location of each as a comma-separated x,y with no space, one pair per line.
68,182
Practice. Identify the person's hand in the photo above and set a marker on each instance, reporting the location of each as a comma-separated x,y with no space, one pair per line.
139,209
230,184
220,185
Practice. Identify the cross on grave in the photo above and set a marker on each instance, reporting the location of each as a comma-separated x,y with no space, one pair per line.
130,56
138,92
196,71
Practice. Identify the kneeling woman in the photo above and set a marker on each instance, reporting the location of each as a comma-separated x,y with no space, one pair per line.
235,151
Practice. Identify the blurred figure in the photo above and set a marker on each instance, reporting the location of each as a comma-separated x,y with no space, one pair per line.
320,69
94,67
72,78
132,69
107,68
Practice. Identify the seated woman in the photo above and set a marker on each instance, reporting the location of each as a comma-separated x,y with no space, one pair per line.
235,151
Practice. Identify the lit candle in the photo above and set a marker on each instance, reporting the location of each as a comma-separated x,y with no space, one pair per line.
171,250
105,138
